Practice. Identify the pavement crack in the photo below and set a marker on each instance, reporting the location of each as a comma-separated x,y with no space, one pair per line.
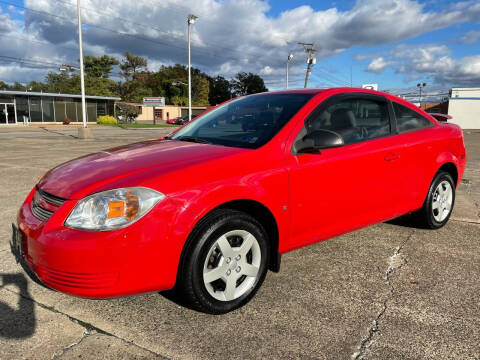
396,262
85,334
56,132
89,328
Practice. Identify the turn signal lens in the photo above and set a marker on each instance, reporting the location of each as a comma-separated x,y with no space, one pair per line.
113,209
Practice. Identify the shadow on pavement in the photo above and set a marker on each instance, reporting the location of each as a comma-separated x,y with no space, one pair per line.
408,220
20,322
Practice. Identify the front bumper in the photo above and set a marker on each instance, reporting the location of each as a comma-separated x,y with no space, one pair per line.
138,258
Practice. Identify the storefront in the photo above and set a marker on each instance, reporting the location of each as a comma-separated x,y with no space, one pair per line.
37,107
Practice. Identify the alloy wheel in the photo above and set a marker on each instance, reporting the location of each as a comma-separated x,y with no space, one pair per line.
232,265
442,201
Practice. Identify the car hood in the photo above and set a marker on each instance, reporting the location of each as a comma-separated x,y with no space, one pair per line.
82,176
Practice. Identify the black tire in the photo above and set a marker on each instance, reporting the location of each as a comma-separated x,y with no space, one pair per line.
425,215
190,282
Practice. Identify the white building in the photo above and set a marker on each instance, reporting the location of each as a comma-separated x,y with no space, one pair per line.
464,107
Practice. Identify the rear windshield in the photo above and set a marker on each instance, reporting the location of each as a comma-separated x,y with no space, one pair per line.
247,122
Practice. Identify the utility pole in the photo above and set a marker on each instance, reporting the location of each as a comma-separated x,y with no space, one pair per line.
289,58
190,20
310,48
83,133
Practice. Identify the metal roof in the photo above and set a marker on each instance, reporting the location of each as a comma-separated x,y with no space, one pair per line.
35,93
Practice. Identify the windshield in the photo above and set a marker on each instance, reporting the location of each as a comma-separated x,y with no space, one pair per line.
247,122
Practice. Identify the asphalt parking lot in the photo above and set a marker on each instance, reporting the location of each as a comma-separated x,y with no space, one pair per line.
389,291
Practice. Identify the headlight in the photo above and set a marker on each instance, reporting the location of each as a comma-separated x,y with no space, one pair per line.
113,209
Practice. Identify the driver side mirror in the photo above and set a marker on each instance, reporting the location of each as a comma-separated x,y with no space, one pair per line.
317,140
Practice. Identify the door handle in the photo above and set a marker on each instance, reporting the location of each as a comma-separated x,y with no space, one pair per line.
391,157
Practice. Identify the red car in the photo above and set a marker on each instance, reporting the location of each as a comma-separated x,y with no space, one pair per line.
209,208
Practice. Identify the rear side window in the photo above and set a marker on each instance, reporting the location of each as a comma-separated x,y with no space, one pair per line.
408,119
355,119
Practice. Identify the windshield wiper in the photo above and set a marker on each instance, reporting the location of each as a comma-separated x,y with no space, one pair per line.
193,139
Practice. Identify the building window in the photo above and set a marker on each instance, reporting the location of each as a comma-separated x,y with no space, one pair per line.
101,108
22,107
47,107
35,109
59,110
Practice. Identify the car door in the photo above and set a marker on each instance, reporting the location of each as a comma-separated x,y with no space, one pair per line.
421,146
343,188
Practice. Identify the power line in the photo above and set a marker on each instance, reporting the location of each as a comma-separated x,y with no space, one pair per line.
26,61
149,27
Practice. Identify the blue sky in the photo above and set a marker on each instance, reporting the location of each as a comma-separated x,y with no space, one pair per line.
395,43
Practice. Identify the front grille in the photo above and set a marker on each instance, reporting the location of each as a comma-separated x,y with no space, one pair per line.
41,213
52,199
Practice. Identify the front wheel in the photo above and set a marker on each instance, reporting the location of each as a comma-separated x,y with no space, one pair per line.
225,262
438,205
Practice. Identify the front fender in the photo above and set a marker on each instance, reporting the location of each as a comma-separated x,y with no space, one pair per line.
270,190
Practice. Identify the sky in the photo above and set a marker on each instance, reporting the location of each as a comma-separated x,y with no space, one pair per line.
393,43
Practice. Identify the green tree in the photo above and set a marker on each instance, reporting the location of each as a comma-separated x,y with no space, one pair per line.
131,64
18,86
62,82
200,90
220,90
134,91
37,86
4,85
99,66
245,84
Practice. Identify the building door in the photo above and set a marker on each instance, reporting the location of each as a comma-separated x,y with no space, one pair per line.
3,114
7,114
11,118
158,113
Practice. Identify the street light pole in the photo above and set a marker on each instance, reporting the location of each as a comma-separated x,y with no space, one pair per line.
420,86
289,58
82,82
190,20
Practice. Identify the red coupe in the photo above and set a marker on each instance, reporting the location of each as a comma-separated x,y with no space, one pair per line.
209,208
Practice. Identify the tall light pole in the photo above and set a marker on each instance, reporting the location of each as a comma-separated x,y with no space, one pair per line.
82,132
190,20
289,58
80,47
420,86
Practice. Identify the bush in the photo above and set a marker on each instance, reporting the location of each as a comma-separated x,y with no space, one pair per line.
67,121
110,120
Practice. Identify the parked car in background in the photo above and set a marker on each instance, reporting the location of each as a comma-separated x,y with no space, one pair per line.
180,120
210,208
441,117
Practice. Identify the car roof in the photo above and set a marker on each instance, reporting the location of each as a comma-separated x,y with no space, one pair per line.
341,90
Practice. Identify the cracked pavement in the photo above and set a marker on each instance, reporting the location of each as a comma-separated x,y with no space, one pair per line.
388,291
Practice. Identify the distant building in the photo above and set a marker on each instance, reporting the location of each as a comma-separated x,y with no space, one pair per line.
164,113
40,107
435,107
464,107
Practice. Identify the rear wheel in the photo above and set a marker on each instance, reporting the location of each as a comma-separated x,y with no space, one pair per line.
438,205
225,263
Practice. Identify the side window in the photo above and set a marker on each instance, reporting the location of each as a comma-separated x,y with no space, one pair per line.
408,119
353,119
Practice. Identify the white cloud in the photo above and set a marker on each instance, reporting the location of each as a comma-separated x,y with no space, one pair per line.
267,70
378,64
470,37
430,60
